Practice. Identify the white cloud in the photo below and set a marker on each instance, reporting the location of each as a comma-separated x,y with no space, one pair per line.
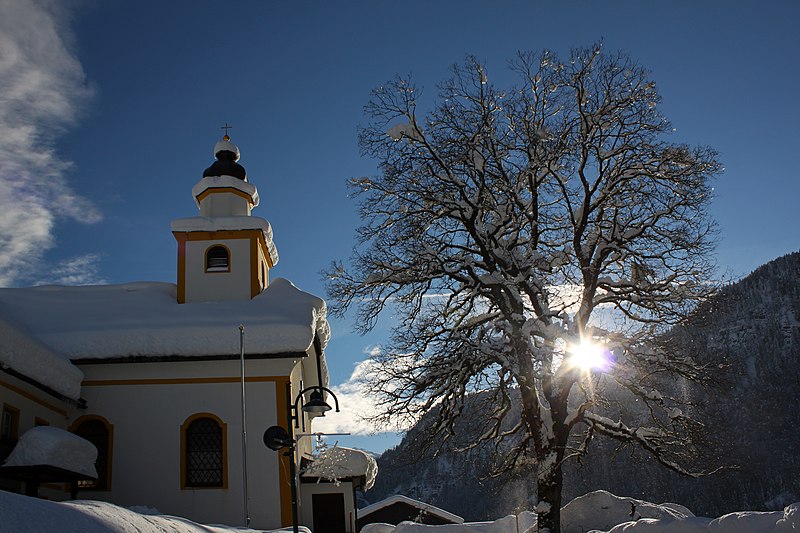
355,403
42,90
79,270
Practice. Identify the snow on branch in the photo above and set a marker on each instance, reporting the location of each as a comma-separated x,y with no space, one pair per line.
543,214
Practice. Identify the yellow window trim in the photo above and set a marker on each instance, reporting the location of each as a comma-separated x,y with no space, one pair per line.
110,428
224,427
7,407
214,190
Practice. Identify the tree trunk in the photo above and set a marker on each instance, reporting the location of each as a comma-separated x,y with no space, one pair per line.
548,490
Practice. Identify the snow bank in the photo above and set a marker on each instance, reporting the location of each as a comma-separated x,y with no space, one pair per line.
339,463
144,320
654,525
603,510
523,523
32,359
668,518
21,514
50,446
399,498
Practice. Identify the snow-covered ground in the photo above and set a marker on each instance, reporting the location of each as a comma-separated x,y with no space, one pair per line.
603,512
21,514
597,512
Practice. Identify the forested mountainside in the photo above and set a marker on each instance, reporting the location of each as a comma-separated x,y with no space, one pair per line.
750,333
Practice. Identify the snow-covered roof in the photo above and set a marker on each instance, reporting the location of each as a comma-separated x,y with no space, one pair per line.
229,223
144,320
219,182
51,446
602,510
25,355
22,513
340,463
399,498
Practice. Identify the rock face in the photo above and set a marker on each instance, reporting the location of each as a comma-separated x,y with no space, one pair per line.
752,415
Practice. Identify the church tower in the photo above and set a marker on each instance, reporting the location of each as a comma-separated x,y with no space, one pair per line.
225,253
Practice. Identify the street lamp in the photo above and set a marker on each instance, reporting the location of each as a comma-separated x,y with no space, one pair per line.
277,438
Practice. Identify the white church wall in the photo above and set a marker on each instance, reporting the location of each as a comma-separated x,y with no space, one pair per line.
224,205
215,286
148,402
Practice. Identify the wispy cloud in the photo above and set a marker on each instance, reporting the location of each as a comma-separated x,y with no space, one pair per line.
42,91
79,270
355,402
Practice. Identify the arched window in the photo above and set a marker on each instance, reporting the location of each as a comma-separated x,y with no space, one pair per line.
218,259
203,452
99,432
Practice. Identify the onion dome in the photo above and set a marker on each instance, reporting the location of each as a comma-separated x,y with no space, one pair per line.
227,155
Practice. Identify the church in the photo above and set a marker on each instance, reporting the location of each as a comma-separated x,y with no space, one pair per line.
175,384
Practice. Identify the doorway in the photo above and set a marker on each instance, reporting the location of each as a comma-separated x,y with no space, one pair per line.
328,513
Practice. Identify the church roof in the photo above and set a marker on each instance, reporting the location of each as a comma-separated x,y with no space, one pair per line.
23,354
144,320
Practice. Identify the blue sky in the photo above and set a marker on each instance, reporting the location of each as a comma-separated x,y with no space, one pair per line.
110,111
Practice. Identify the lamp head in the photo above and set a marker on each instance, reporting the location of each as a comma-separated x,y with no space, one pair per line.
316,404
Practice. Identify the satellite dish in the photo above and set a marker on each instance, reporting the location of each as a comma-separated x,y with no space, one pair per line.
275,438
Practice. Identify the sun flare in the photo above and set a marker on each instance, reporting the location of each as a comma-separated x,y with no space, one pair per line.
588,356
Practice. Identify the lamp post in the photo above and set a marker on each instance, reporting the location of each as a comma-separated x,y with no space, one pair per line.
277,438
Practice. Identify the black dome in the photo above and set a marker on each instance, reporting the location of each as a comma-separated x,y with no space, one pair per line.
226,165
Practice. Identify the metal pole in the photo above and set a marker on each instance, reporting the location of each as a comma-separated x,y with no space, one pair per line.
292,474
244,430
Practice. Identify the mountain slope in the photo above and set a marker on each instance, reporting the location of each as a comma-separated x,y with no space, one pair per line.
754,327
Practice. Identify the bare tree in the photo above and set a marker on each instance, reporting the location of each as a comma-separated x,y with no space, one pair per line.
507,230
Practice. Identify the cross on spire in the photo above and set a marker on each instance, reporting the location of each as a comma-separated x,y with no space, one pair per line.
226,127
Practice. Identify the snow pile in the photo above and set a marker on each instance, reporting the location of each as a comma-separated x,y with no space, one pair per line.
785,521
145,320
603,510
524,522
226,182
422,506
21,514
50,446
32,359
340,463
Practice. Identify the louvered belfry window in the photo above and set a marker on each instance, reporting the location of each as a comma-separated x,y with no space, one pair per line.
218,259
204,454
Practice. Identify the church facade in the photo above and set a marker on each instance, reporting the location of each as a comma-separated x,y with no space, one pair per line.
176,383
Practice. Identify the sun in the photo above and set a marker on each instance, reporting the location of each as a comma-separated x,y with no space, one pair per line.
589,355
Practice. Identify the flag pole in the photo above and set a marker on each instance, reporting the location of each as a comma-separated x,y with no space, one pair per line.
244,431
